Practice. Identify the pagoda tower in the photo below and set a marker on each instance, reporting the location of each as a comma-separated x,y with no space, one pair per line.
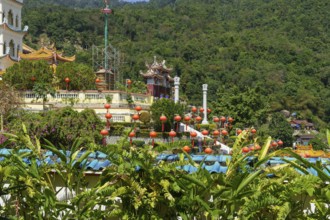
11,34
158,79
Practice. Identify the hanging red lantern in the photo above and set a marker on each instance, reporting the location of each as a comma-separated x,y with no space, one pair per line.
224,132
177,118
209,111
187,120
223,119
108,116
201,110
253,131
205,132
198,118
245,149
104,133
186,149
274,144
138,108
238,131
216,133
67,81
97,80
280,143
107,106
153,135
257,147
135,117
208,150
216,120
193,134
194,109
230,120
131,135
172,134
163,120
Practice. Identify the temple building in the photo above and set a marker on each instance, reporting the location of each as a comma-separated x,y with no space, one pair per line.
11,32
50,54
158,79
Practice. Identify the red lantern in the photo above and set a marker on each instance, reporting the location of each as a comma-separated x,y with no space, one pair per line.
245,149
128,82
201,110
253,131
194,109
108,116
209,111
238,131
187,120
107,106
104,133
216,120
208,150
257,147
223,119
135,117
131,135
230,120
252,148
192,136
163,120
216,133
153,135
198,118
172,134
177,118
138,108
67,80
274,144
97,80
186,149
224,132
205,132
280,143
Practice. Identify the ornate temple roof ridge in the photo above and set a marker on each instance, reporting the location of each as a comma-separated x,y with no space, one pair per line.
46,53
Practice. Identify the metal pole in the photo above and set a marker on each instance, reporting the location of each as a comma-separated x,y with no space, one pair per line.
205,104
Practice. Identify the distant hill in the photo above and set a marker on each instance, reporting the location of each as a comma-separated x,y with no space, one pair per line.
281,47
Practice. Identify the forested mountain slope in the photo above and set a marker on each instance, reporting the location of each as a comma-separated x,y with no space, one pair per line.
280,49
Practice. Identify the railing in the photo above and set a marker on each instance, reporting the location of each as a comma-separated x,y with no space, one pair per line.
80,97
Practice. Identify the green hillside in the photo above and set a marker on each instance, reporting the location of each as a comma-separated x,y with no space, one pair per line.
274,52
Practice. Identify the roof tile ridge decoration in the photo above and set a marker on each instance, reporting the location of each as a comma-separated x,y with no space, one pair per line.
157,70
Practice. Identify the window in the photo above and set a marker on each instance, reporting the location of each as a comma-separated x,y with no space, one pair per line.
4,47
16,21
18,50
10,18
12,48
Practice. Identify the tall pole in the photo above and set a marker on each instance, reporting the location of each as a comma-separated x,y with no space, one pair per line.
176,89
106,11
205,104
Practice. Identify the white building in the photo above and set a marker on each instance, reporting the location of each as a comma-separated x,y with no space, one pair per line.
11,32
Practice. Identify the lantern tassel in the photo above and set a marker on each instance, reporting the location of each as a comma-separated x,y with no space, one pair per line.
162,127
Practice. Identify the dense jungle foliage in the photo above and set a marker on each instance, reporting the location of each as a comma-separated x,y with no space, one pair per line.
279,49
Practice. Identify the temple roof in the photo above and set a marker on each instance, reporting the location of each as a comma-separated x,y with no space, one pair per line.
157,70
45,53
4,25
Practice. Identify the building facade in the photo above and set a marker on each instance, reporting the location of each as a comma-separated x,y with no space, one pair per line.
11,32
